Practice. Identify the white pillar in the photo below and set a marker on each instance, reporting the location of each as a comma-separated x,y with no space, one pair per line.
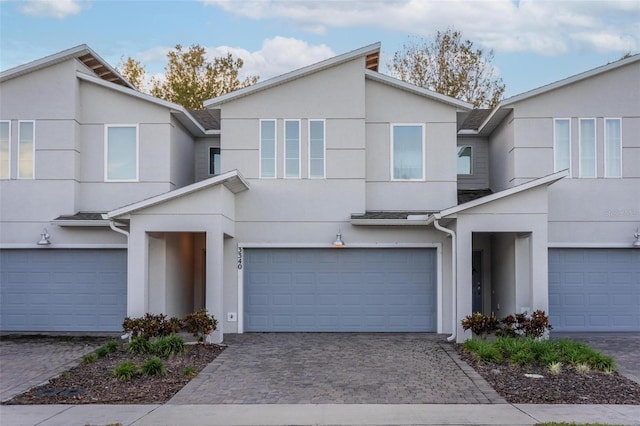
215,276
137,273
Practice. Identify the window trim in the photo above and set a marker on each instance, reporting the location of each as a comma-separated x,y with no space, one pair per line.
595,148
33,151
8,151
299,150
106,152
391,145
555,147
209,148
470,160
606,172
275,148
324,148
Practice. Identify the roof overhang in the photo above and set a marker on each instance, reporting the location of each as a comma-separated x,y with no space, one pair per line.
371,54
390,218
232,180
83,53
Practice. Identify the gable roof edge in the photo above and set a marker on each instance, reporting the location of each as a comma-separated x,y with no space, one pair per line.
232,180
545,180
394,82
293,75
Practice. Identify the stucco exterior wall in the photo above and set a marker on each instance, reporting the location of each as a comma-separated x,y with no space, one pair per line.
501,144
201,151
181,153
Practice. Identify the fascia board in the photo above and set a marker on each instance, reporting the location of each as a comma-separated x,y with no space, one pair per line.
293,75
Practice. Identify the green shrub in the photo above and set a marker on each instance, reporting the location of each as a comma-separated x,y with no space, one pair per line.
153,366
523,358
168,345
90,358
102,351
189,372
199,324
111,346
126,370
485,351
555,368
139,345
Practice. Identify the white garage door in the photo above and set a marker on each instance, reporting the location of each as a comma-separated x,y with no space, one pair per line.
340,290
594,289
63,290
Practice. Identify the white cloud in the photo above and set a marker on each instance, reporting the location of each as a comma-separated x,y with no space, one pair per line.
51,8
544,27
277,56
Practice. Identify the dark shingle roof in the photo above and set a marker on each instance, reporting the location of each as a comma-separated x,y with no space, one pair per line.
386,214
208,118
466,195
474,119
81,216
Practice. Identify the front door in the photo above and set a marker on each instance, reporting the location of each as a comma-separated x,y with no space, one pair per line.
476,278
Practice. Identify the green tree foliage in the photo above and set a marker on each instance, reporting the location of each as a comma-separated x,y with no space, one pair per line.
191,79
133,71
451,66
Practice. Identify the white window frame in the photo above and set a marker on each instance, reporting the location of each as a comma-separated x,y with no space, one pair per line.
106,152
470,160
33,151
285,148
595,148
555,148
8,176
275,148
324,148
209,159
606,171
391,144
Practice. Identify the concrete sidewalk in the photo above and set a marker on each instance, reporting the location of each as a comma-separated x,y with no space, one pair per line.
316,414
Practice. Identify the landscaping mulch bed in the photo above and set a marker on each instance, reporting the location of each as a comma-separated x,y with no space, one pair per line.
94,383
568,387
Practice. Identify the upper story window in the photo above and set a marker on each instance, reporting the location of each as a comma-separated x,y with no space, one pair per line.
26,149
214,160
561,144
464,160
612,147
292,148
121,153
267,148
587,144
5,149
407,152
316,149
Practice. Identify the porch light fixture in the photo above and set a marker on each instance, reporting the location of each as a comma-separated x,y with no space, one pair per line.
636,243
338,243
44,238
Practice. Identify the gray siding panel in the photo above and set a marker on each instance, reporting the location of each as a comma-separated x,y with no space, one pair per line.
479,179
594,289
340,290
63,290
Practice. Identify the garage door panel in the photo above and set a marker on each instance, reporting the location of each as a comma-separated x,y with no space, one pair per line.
62,290
594,289
340,290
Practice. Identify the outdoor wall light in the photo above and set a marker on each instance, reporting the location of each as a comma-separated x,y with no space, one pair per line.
636,243
338,243
44,238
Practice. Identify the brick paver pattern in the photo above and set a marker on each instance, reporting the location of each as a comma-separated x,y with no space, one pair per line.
349,368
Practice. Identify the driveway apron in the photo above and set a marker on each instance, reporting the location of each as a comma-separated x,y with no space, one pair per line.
338,368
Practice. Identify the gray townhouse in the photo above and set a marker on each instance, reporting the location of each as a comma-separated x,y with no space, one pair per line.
331,198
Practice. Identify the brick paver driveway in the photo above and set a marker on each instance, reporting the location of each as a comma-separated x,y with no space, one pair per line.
350,368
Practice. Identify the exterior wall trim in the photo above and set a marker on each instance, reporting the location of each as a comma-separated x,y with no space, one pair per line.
591,245
437,246
55,246
9,151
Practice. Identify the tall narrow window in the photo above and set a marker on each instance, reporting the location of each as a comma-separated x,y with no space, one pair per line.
26,149
612,147
464,160
587,147
561,144
292,148
267,148
316,149
214,160
121,153
407,152
5,149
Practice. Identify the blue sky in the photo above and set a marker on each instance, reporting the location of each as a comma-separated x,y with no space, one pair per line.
535,42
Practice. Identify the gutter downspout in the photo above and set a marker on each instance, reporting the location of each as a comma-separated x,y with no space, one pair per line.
113,226
454,276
